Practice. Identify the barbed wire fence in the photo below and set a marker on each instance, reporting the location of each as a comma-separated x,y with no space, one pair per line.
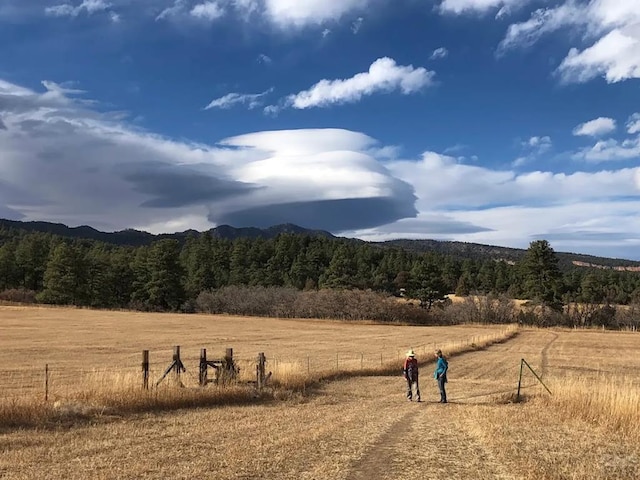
54,381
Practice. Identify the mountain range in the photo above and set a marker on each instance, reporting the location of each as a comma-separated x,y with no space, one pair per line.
138,238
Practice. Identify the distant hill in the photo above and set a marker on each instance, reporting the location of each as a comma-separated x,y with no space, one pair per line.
137,238
474,251
507,254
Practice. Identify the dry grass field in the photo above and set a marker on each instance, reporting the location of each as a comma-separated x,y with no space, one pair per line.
355,428
78,344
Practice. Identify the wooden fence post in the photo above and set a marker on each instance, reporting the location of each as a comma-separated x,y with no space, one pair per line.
519,380
176,365
177,361
145,369
46,382
260,373
203,367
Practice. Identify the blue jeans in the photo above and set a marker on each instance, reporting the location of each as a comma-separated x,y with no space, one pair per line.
442,379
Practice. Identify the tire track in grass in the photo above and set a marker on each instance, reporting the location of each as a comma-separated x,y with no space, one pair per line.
545,355
383,452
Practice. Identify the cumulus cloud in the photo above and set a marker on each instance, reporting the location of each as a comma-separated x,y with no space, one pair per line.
296,13
616,57
532,149
251,100
541,144
613,27
439,53
480,6
87,6
610,150
633,124
64,161
596,128
210,10
282,14
384,75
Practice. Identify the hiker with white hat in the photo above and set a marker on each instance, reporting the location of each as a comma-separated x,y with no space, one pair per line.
410,373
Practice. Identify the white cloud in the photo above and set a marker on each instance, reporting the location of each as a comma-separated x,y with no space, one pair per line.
439,53
265,59
633,124
251,100
533,148
542,22
63,161
540,143
88,6
357,25
615,56
441,182
480,6
384,75
596,128
301,13
210,10
179,7
610,150
612,25
325,32
466,195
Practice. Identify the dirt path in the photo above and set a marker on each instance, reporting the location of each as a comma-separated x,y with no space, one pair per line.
430,440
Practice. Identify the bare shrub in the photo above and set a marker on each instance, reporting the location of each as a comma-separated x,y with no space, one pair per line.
330,304
591,315
540,315
18,295
628,317
489,309
243,300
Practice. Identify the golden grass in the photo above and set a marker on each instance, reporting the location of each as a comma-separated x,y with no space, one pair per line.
363,427
94,370
610,402
356,427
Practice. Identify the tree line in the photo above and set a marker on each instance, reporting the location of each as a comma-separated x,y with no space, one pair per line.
169,275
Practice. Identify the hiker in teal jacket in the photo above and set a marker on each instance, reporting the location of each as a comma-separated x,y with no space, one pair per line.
441,374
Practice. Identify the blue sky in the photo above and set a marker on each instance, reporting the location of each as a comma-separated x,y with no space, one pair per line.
490,121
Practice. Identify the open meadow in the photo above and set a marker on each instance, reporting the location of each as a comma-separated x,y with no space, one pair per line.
356,427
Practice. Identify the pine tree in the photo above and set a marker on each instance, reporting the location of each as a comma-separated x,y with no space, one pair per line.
426,282
165,283
541,275
64,277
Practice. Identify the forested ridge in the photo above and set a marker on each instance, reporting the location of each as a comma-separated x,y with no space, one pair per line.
169,274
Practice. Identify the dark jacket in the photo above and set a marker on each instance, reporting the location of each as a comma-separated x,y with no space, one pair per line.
410,368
